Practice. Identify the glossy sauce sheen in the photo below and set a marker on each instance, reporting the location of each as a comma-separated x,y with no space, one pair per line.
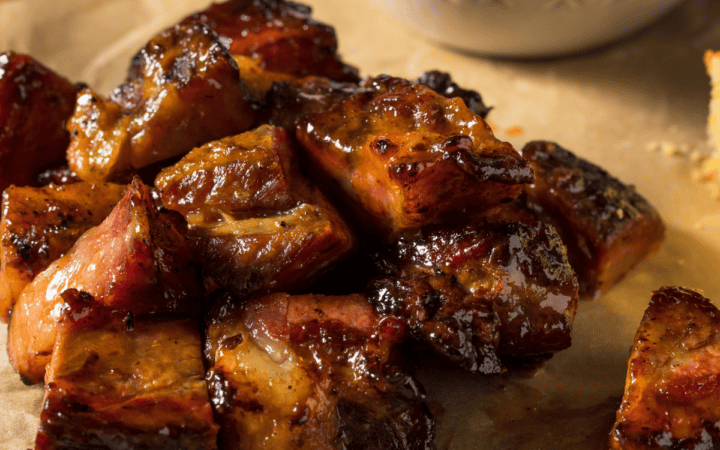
280,35
311,372
255,223
518,272
36,104
672,391
136,260
183,90
607,226
119,382
401,157
40,224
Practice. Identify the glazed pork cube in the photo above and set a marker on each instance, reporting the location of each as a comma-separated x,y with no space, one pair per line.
606,225
183,90
310,371
40,224
280,35
136,260
518,284
401,157
35,105
672,392
255,223
122,382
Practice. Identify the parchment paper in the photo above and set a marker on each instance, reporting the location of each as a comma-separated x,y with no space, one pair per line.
618,106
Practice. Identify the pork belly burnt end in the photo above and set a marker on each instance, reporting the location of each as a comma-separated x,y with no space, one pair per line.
40,224
137,260
118,382
35,104
254,222
518,272
281,35
443,84
672,392
296,371
607,226
184,90
402,157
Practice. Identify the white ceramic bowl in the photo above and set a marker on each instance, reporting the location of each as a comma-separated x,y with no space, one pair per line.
525,28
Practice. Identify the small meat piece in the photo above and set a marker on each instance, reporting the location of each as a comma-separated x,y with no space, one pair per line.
672,392
296,372
123,382
443,84
402,157
136,260
281,35
184,90
606,225
441,314
519,272
254,222
258,80
35,104
40,224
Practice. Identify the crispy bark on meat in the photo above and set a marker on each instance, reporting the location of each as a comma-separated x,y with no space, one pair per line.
518,272
118,381
136,260
310,371
441,314
184,90
281,35
255,223
607,226
401,157
288,103
443,84
40,224
672,392
35,104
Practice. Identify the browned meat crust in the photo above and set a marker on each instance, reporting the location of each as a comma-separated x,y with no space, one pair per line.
40,224
184,90
35,104
255,223
443,84
313,372
401,157
607,226
672,392
503,288
136,260
280,35
123,382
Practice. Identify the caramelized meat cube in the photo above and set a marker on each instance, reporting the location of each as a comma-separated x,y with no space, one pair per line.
281,35
402,157
672,392
254,222
607,226
35,104
184,90
311,371
40,224
120,382
136,260
519,272
258,80
443,84
441,314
